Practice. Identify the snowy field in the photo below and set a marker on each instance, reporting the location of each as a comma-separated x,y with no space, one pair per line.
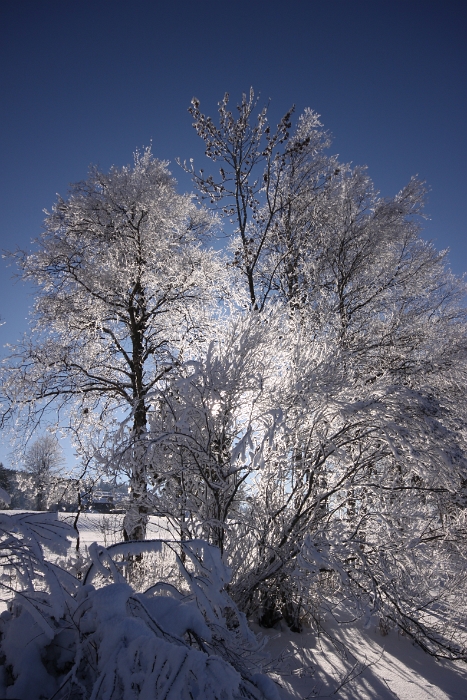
376,668
107,529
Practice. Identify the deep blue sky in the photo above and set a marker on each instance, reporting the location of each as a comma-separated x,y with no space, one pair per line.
90,81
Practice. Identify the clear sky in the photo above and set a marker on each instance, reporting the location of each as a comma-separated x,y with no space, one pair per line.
89,81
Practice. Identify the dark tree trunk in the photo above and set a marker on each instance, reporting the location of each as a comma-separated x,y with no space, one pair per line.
136,517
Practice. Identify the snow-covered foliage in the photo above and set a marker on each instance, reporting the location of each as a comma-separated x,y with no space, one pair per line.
42,462
121,281
316,498
298,401
361,483
99,638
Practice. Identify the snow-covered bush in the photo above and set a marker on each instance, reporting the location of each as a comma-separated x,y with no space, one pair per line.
97,638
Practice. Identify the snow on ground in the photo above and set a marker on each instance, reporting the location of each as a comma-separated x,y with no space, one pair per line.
377,667
107,529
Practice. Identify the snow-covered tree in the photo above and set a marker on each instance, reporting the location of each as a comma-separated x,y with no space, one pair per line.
6,478
121,284
208,426
42,462
370,377
262,174
311,425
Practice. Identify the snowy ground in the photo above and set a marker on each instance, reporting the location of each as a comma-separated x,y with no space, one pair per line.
107,529
383,668
377,667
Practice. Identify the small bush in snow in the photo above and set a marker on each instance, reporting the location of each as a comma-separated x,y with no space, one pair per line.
98,639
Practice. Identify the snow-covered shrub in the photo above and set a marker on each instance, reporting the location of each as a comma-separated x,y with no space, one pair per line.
412,579
97,638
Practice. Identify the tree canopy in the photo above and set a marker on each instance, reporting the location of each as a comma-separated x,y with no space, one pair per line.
120,279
